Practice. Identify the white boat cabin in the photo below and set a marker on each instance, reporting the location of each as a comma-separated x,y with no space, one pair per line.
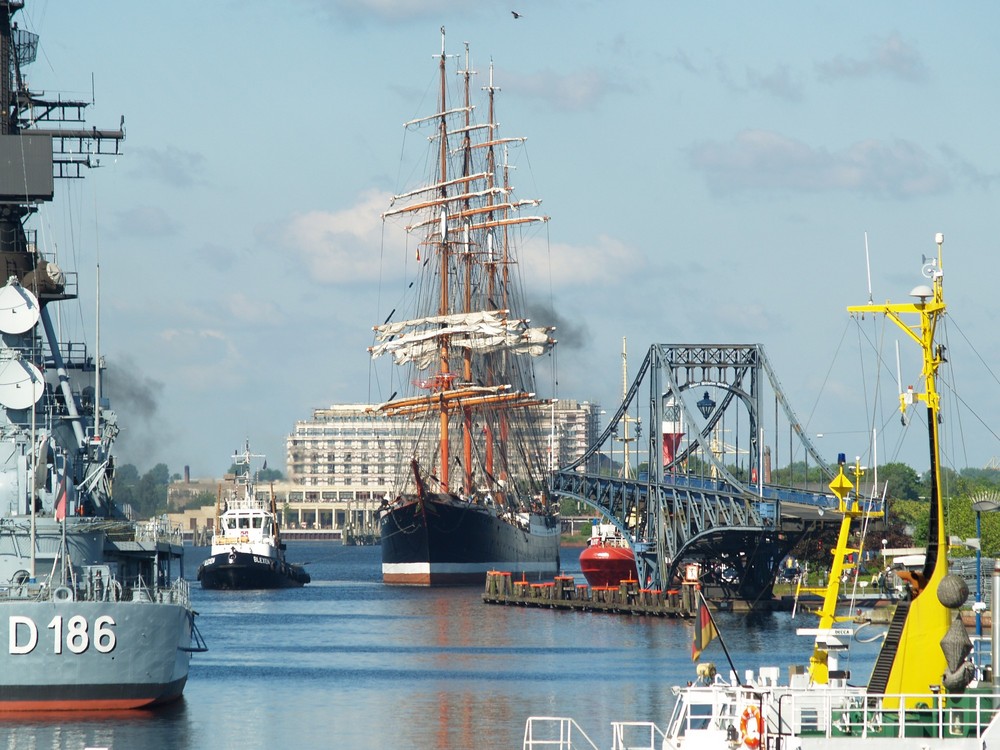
246,525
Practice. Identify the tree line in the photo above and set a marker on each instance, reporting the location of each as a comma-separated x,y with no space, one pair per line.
146,494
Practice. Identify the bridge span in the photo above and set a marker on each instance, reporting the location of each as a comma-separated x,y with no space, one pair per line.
684,471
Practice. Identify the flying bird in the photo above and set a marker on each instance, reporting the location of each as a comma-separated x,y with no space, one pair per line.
515,14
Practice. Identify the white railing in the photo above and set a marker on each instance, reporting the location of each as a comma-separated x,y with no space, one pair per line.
832,713
636,735
554,733
963,715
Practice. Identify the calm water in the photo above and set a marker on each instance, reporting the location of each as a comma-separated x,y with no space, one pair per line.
347,662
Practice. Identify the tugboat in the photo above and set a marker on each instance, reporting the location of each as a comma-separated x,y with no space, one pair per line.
607,560
247,551
96,611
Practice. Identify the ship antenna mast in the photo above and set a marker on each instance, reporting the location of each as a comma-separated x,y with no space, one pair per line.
97,357
868,268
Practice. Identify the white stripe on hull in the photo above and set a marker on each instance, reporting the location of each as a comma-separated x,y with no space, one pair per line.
426,574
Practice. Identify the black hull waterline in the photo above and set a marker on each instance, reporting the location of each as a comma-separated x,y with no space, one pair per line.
242,571
455,543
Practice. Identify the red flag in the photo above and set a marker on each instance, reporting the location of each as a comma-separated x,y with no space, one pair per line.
61,500
704,631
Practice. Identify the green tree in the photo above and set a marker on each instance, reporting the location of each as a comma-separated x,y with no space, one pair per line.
200,501
900,482
147,495
125,485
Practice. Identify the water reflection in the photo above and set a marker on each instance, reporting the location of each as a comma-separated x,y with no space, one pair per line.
348,662
168,726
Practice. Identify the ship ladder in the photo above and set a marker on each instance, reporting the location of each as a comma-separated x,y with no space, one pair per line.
879,680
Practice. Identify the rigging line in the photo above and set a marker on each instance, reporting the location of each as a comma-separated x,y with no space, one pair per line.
972,411
988,369
975,351
826,378
880,362
877,389
372,370
957,434
552,306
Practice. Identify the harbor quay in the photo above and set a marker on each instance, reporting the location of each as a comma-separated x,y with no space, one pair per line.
564,593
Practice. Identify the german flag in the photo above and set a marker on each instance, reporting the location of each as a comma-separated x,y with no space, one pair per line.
704,631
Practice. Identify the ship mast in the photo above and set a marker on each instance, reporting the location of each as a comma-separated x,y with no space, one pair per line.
490,258
914,666
468,259
463,330
443,306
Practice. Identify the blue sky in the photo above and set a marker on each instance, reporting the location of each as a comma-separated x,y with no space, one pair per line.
710,169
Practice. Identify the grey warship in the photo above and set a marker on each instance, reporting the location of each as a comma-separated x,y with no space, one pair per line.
96,610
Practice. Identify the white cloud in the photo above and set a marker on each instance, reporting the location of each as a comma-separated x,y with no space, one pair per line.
251,309
606,261
337,247
190,336
582,90
395,11
761,159
201,359
779,82
891,56
147,221
171,166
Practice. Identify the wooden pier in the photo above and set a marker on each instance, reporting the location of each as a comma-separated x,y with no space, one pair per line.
564,593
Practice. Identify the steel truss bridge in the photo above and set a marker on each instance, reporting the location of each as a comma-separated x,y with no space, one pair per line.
691,449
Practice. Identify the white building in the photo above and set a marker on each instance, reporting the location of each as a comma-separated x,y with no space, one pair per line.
344,460
352,446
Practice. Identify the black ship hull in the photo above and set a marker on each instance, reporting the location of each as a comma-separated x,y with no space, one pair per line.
241,571
450,542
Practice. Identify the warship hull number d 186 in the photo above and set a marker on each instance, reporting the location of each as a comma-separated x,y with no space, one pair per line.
75,634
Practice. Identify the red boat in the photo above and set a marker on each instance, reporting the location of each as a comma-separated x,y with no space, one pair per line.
608,559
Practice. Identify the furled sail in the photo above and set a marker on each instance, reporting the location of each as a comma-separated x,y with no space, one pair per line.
418,341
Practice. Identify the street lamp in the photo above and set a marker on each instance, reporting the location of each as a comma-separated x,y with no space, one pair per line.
706,405
885,567
987,503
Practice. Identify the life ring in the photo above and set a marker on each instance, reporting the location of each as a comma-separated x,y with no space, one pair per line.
751,727
62,594
244,538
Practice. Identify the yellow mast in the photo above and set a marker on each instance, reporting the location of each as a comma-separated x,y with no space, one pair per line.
850,508
918,663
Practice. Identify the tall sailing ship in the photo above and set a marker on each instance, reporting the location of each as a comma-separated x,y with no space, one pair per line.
96,610
474,495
